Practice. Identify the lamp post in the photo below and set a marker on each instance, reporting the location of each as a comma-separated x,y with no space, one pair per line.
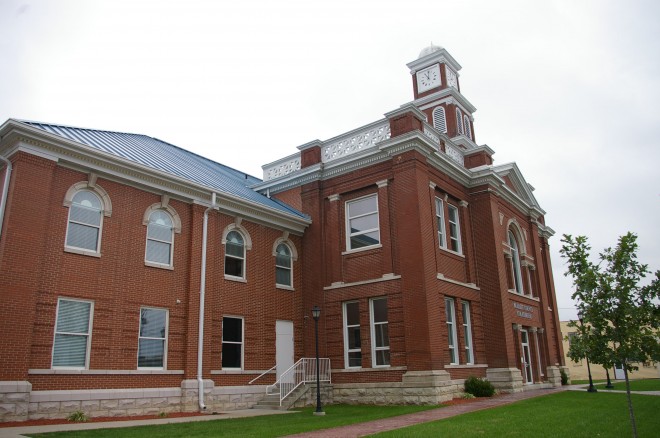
316,313
591,382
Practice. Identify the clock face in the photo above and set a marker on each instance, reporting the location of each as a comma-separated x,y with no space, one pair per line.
452,80
428,78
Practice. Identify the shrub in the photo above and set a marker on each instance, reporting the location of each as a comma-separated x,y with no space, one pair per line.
564,377
479,387
77,417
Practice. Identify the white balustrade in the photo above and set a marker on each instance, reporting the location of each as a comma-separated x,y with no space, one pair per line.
455,154
282,167
356,141
303,371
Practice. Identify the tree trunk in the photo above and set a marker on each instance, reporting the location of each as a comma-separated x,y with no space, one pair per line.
630,405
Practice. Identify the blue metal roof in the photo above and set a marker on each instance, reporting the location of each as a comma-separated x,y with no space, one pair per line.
165,157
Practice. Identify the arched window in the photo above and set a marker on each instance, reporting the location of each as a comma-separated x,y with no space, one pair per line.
160,238
515,260
283,266
468,130
85,222
459,122
235,255
439,119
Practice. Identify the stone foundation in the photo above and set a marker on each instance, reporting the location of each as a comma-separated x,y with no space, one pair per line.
14,400
19,403
554,375
505,379
416,388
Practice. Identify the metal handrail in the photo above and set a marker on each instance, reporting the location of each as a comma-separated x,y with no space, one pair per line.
262,374
303,371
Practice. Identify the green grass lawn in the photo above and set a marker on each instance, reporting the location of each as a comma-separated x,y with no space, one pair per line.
263,426
565,414
586,382
635,385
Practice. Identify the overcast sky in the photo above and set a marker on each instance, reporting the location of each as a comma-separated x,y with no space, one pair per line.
567,89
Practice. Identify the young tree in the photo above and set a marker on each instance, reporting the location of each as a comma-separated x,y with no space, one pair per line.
621,317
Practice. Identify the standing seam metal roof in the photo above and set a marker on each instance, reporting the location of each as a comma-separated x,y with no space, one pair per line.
159,155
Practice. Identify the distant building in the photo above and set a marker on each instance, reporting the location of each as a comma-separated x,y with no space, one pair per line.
429,264
578,370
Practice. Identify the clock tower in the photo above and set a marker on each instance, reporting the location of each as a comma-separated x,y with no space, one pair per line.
438,94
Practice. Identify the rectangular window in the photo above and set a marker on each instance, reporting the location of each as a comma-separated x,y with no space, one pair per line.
352,342
380,338
454,229
440,219
467,332
152,340
362,225
232,343
451,330
73,329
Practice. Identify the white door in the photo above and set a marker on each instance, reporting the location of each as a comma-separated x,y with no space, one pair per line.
527,357
618,372
283,346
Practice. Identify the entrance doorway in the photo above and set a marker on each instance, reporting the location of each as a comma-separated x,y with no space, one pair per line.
618,372
526,357
283,346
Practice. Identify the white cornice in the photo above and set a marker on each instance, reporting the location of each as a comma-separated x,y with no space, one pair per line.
446,95
441,56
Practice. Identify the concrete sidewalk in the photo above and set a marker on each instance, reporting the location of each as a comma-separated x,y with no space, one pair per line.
20,431
385,424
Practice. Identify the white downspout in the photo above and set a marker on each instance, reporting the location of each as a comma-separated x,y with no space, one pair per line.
5,189
202,293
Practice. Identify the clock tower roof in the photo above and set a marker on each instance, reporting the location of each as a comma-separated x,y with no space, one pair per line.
433,55
428,50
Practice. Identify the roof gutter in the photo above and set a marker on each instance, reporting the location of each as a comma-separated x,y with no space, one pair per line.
5,190
202,294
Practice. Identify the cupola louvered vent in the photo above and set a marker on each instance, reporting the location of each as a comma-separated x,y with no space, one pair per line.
439,119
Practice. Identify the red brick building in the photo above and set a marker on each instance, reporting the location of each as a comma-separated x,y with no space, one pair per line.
428,262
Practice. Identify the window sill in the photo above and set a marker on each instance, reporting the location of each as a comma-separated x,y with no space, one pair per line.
358,250
529,297
283,287
239,371
82,252
472,286
467,365
454,253
103,372
158,265
237,279
367,370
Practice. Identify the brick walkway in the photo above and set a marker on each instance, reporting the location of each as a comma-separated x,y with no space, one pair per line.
376,426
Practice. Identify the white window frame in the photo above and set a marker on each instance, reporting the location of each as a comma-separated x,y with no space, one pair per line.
440,119
516,267
88,334
170,243
440,221
165,339
457,224
468,130
347,349
289,268
452,338
241,343
350,234
243,259
97,250
467,332
372,324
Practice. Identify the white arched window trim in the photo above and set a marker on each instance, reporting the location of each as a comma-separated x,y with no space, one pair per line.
247,245
518,252
106,211
294,257
440,119
459,122
468,130
176,220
